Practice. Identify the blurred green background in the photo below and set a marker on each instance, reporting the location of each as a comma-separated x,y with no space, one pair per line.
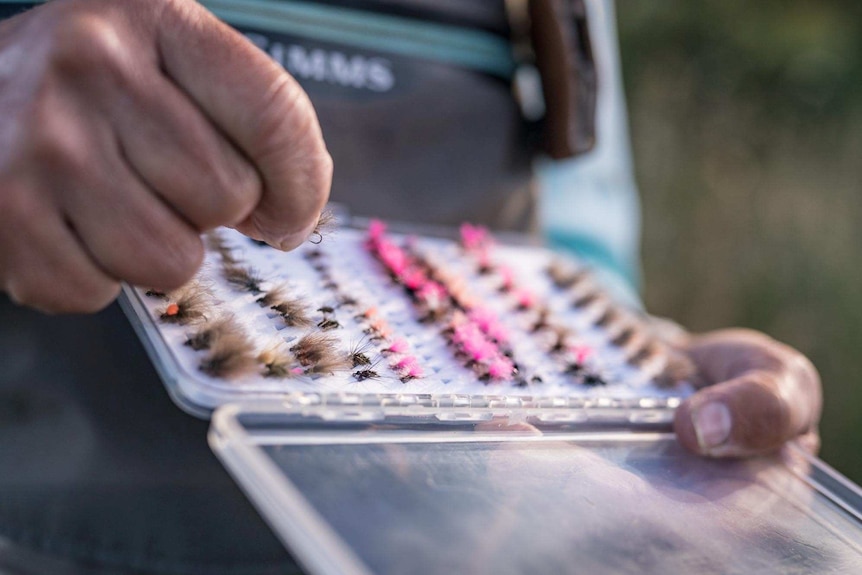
746,121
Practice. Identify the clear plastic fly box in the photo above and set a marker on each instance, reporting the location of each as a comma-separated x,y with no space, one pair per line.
396,403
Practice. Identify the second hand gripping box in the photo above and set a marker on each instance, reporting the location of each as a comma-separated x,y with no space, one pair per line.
395,403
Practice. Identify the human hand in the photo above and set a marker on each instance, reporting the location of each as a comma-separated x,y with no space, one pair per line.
756,395
127,129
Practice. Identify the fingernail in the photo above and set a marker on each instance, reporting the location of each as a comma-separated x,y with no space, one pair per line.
296,239
712,424
290,242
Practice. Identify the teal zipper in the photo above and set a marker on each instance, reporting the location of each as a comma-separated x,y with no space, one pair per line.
467,47
470,48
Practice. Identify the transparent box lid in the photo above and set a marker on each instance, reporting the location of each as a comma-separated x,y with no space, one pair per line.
499,497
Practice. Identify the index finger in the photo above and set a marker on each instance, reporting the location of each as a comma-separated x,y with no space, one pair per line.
258,106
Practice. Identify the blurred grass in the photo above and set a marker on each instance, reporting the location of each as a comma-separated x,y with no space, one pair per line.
747,130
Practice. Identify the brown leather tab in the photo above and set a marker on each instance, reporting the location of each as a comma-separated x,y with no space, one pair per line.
564,57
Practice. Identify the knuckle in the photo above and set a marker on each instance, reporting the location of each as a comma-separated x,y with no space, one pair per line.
804,383
56,147
772,423
803,371
54,142
88,44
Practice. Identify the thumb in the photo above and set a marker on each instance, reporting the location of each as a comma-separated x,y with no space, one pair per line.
261,109
755,412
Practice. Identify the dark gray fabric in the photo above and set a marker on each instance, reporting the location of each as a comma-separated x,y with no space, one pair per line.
447,146
444,144
99,468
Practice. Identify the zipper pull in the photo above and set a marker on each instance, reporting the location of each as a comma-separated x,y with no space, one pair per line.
526,80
